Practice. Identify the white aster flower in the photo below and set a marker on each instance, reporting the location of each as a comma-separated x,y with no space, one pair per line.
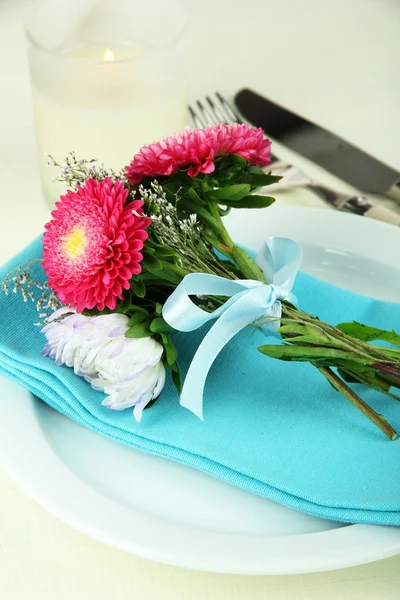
129,370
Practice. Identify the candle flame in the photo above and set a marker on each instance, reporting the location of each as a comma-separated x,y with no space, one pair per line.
108,55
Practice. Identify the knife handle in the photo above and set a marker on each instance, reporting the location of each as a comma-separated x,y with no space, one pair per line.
383,214
360,205
357,205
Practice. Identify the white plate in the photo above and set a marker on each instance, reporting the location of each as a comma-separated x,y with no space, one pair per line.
173,514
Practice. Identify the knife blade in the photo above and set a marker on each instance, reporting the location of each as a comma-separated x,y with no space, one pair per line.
319,145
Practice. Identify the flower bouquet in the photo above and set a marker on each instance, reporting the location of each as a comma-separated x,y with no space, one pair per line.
133,257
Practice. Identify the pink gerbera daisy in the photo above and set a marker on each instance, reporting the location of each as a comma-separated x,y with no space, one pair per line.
197,149
91,247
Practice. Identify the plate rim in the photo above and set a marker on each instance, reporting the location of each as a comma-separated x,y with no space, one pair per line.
173,544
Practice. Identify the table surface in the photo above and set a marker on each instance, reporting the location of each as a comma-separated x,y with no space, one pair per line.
336,63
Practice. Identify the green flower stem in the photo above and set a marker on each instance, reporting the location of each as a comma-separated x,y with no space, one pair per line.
210,238
246,264
220,229
250,270
176,269
371,384
220,238
389,373
213,221
382,354
222,241
376,418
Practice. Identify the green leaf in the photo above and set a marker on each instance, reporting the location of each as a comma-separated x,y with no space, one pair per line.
234,159
204,215
158,325
174,184
257,170
177,377
158,309
123,306
138,317
138,288
204,185
306,334
224,211
135,308
164,251
140,330
251,201
230,192
148,277
167,273
247,265
260,179
151,403
90,312
368,334
151,263
171,353
309,353
193,195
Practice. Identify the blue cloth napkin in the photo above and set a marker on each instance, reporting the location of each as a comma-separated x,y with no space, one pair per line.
275,429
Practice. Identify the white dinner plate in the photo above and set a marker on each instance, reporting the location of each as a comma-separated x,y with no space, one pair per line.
170,513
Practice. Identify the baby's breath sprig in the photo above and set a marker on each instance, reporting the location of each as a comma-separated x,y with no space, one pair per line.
75,172
183,235
20,280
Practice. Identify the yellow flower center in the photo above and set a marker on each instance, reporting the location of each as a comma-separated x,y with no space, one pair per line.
74,243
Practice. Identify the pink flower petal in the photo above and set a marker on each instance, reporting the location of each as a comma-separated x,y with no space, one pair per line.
195,150
91,245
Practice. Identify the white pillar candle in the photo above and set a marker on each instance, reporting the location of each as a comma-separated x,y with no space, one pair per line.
105,99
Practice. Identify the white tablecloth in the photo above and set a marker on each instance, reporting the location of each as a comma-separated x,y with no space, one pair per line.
335,62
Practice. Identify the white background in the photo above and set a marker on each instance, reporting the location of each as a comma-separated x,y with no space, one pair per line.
335,62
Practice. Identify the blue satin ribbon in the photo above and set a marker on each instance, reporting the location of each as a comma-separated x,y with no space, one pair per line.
249,301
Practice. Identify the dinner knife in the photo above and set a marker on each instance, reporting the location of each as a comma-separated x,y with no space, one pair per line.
359,205
319,145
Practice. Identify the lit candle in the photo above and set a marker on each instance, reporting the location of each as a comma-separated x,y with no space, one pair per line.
104,100
108,55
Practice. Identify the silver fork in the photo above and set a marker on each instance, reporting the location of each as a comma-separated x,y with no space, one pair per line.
219,110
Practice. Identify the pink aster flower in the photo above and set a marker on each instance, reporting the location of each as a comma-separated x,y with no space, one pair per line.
197,149
91,246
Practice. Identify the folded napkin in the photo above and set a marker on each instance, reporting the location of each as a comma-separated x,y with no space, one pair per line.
275,429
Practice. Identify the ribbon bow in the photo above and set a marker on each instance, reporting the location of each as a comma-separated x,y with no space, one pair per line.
249,300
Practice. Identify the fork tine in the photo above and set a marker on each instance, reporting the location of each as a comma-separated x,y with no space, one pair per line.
213,114
228,115
233,115
210,119
196,119
217,112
